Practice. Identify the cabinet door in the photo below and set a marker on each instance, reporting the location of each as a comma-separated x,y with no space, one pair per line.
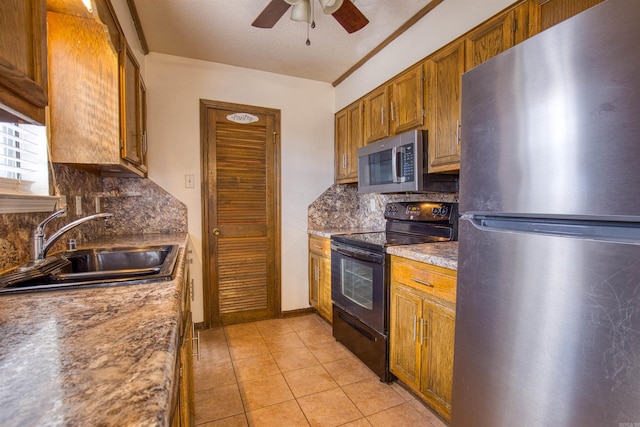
445,81
376,115
131,139
404,320
341,145
314,279
187,412
491,38
324,289
355,138
23,60
407,109
142,124
437,335
544,14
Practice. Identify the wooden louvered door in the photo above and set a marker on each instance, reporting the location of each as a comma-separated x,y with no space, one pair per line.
241,213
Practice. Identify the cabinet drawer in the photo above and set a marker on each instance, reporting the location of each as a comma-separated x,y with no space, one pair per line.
320,245
431,279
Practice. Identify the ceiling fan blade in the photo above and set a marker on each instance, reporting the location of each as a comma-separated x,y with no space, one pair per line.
350,17
271,14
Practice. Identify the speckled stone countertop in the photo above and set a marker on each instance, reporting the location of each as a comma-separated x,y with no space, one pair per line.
441,254
99,356
328,232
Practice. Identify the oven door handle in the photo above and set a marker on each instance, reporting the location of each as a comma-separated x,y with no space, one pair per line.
358,254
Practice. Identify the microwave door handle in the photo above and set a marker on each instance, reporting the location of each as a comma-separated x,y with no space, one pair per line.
394,164
398,159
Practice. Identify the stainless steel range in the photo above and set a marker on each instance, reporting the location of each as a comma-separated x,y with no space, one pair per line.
360,277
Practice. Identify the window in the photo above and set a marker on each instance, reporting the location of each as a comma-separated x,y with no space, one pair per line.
24,178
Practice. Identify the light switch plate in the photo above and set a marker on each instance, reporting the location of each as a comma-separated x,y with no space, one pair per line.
189,181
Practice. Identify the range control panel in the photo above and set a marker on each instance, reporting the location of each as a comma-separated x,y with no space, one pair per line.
421,211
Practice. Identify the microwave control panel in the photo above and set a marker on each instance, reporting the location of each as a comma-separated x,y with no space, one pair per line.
408,157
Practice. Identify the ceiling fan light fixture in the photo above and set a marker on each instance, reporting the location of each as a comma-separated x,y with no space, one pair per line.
330,6
301,11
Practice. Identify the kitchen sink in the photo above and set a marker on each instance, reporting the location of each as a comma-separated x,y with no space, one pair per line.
95,267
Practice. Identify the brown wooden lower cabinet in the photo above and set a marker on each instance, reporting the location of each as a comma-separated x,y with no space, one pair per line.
320,276
422,325
183,412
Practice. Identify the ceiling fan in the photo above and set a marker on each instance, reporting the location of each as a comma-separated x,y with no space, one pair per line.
344,11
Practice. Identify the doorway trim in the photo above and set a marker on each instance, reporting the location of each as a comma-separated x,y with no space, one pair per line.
209,301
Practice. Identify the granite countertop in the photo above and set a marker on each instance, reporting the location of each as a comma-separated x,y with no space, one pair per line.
441,254
98,356
328,232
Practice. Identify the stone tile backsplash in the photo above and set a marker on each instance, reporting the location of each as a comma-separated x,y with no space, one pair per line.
138,204
340,207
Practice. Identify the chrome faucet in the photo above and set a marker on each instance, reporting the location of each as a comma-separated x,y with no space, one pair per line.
40,245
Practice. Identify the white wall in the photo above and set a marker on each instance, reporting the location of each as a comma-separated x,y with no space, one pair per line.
175,86
449,20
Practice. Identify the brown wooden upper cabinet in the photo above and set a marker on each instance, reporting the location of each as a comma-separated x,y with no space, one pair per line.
348,138
445,80
396,106
98,111
376,115
132,111
544,14
407,107
23,61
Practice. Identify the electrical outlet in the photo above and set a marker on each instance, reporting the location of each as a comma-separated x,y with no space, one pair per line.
78,205
372,205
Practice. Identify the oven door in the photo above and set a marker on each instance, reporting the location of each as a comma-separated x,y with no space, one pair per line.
358,283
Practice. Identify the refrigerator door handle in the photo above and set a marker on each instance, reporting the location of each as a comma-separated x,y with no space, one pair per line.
617,232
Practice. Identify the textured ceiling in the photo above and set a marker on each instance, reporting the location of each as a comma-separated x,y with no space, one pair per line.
220,31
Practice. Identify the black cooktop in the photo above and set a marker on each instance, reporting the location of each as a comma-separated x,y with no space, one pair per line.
379,240
408,223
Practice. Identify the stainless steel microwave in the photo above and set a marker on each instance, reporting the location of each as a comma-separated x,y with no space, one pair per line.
398,165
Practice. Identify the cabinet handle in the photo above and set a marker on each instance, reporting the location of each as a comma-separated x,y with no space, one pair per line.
423,328
344,161
415,328
393,112
458,132
382,115
216,231
196,338
318,247
317,272
422,282
144,142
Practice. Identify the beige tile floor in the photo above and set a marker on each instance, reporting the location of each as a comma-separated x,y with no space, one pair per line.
292,372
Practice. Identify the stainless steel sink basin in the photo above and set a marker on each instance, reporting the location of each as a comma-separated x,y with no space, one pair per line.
99,267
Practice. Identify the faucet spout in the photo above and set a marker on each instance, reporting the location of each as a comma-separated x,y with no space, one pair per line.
41,244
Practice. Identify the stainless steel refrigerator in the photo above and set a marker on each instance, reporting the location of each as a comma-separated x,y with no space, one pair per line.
548,303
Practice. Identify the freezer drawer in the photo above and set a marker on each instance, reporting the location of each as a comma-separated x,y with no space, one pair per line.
547,331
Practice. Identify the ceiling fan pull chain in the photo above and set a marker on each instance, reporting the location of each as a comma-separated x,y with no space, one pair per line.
312,24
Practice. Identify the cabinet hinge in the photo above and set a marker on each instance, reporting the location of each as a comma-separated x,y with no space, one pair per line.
424,112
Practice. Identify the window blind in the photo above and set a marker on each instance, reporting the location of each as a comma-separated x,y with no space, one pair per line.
23,159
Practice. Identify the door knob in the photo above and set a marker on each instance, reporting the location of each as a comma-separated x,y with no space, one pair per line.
216,231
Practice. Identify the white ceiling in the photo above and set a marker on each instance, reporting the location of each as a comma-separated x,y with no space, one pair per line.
220,31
